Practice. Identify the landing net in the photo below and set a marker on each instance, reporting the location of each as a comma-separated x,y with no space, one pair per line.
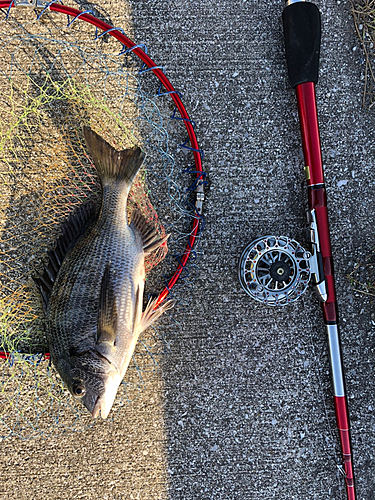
58,74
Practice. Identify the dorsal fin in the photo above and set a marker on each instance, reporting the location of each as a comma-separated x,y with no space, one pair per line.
72,229
150,237
112,165
107,313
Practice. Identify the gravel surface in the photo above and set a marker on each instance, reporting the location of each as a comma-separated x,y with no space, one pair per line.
243,408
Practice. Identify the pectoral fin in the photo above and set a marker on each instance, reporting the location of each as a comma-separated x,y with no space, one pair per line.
107,314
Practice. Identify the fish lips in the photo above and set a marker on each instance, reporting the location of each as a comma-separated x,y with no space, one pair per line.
102,403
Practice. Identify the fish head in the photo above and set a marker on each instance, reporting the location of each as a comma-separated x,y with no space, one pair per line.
93,380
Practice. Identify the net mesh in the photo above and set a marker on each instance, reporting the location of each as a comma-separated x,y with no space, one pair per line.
54,79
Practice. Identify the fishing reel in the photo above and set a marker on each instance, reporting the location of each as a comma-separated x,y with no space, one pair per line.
276,270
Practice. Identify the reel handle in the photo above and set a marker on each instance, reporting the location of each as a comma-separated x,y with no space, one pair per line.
302,28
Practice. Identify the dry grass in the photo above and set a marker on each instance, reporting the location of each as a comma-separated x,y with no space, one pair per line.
362,277
363,12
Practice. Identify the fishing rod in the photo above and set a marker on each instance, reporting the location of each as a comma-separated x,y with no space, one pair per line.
276,270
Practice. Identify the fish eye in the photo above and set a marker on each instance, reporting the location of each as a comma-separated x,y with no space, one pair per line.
79,390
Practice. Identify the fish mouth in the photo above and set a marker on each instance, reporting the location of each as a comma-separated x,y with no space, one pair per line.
101,385
104,402
97,406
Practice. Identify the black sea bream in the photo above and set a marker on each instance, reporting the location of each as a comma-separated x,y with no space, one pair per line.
93,285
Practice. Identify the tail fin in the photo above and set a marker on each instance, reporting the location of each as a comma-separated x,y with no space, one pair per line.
112,165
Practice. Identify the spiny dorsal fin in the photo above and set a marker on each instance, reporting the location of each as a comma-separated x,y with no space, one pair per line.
72,229
107,315
112,165
150,237
150,314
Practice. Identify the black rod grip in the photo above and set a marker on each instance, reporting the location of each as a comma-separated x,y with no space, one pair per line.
302,41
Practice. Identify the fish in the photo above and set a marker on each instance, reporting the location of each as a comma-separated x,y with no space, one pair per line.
93,284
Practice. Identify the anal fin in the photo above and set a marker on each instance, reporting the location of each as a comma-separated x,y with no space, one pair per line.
151,314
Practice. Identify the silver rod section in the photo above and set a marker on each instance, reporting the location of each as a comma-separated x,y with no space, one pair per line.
335,359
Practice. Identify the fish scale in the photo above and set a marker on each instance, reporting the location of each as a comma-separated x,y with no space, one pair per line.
80,285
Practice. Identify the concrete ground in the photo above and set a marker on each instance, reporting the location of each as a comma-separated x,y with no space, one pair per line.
242,408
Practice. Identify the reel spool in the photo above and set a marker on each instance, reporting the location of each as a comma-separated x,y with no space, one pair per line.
275,270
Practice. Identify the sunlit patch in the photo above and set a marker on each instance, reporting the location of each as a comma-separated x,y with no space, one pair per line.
54,80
